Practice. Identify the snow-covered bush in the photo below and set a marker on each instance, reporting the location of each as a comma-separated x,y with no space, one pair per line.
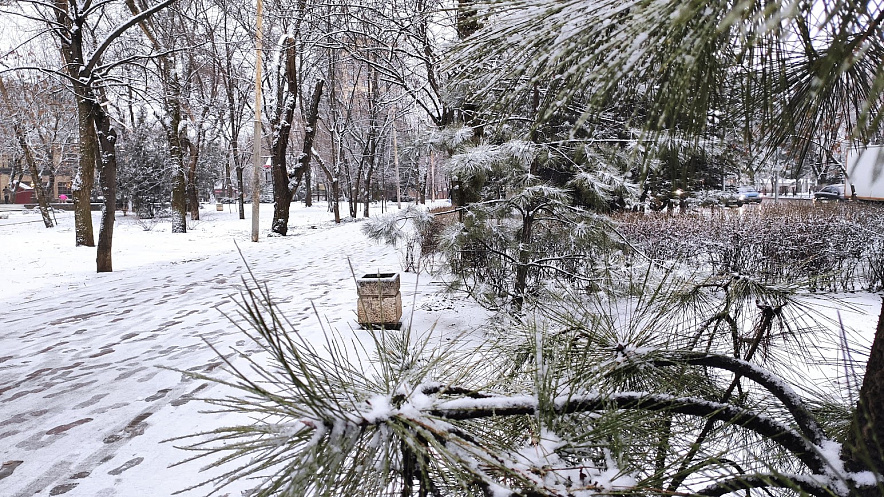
822,247
406,229
533,220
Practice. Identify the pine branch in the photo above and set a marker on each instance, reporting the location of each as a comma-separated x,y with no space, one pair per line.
768,428
813,486
775,385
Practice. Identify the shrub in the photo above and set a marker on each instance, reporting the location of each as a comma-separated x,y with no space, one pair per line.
828,247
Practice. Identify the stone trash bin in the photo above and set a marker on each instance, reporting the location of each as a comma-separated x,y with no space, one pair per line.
380,301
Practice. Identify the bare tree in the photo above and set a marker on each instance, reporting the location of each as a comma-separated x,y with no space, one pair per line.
235,97
285,184
21,136
163,38
81,30
288,76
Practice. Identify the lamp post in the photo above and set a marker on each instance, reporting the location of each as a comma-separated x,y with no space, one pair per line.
256,153
396,163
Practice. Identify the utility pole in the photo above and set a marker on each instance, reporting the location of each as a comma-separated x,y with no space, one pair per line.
256,176
396,164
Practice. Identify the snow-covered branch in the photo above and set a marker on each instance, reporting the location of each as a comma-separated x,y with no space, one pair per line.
95,56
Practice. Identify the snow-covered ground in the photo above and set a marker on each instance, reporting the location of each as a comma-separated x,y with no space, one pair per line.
84,401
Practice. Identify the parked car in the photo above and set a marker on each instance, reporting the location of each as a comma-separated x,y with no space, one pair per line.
748,194
830,192
731,197
710,198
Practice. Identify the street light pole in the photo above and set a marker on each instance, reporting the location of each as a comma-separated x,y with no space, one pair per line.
396,163
256,153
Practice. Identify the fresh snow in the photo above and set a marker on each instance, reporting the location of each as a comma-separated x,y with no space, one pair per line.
85,399
89,390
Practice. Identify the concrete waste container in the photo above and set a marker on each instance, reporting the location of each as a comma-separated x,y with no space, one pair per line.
380,301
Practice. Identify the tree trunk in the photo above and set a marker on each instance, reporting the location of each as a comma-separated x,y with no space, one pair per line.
108,182
84,176
192,192
863,450
227,188
308,187
336,194
36,179
179,198
367,192
172,103
352,201
230,89
418,185
239,184
284,187
282,127
70,25
50,186
521,284
71,39
331,176
309,134
176,147
372,145
15,176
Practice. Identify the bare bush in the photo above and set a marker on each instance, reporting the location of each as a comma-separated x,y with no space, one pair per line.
831,247
146,223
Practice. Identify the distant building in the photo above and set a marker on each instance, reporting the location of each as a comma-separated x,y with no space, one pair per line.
23,192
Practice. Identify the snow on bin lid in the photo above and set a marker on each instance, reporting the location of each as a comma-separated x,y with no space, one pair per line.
378,284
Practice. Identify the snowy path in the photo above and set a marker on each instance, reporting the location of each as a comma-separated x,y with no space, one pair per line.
84,403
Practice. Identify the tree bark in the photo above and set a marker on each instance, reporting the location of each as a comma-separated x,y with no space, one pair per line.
84,177
336,196
235,124
308,187
69,25
176,148
310,133
372,145
107,137
192,192
353,188
172,104
525,238
239,182
863,450
331,176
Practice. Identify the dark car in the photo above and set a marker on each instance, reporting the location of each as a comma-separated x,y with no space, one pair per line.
728,197
830,192
748,194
